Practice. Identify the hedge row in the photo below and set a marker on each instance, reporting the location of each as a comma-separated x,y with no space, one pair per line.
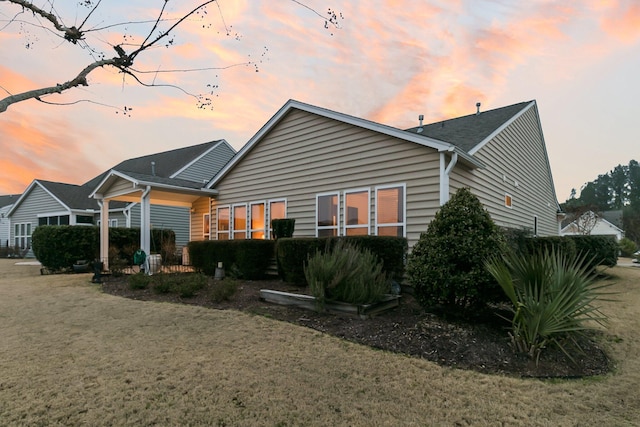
58,247
293,253
596,250
248,259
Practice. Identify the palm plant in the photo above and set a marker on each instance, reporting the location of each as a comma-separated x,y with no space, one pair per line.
553,298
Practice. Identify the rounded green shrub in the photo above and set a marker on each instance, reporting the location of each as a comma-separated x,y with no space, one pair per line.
446,266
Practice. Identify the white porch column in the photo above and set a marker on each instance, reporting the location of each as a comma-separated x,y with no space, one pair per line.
145,221
104,232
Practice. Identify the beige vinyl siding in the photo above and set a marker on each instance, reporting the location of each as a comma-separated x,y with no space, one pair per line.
306,154
119,187
517,153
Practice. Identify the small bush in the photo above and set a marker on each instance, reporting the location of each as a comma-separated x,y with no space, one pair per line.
346,273
446,266
627,247
222,290
188,285
251,257
162,283
553,298
139,281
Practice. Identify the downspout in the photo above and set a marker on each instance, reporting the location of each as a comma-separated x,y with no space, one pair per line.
445,171
145,221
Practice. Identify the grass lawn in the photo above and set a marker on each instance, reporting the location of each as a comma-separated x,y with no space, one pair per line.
71,355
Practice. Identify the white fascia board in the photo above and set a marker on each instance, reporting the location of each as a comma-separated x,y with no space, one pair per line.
334,115
95,194
22,197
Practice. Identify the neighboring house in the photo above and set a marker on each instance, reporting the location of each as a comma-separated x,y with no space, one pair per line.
592,224
337,174
5,205
52,203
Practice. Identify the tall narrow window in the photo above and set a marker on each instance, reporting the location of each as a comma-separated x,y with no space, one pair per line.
206,224
223,223
508,200
327,215
535,225
277,210
390,211
356,212
240,222
257,220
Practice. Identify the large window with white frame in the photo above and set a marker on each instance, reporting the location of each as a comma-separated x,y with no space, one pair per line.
390,210
257,222
277,210
223,215
22,235
327,208
239,220
357,210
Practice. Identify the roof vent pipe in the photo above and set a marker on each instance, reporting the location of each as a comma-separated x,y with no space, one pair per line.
153,168
420,118
478,107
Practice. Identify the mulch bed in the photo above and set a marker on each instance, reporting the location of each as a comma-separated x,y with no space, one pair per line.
482,345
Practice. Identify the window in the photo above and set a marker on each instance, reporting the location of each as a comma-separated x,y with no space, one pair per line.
239,222
507,200
356,212
223,223
327,214
390,210
87,220
257,221
277,210
535,225
22,235
54,220
206,224
112,223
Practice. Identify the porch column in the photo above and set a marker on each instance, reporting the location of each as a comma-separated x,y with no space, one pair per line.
145,221
104,232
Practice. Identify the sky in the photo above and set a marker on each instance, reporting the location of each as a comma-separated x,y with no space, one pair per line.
386,61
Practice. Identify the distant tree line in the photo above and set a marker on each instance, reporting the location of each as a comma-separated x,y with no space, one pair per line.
619,189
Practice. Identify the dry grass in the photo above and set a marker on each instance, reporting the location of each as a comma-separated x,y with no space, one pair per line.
70,355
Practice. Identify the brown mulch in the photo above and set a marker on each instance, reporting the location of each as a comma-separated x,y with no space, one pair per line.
482,345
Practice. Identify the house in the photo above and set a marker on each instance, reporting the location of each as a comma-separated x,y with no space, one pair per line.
5,204
590,223
53,203
338,174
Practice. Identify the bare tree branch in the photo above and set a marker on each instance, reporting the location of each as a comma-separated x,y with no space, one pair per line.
71,34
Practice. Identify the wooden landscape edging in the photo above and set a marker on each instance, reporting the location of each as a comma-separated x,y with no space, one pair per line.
364,311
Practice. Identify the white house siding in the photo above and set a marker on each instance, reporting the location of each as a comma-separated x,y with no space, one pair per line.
517,164
203,169
306,154
5,225
37,201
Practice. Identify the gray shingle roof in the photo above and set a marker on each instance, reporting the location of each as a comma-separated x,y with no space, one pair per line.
468,131
155,179
8,200
74,196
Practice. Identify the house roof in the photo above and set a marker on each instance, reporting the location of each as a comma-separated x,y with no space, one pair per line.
167,163
352,120
70,196
467,132
8,199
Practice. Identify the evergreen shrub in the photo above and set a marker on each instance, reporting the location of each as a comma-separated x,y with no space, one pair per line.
249,258
447,264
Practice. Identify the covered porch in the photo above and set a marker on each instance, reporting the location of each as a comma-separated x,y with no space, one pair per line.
146,190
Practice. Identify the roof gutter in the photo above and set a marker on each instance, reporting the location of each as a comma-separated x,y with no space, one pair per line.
445,172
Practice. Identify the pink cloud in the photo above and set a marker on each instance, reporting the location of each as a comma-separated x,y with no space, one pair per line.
623,22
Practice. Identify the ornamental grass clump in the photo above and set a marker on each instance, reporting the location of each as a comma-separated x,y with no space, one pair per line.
346,273
553,299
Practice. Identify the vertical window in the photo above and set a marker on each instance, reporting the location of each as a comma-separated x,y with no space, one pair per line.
535,225
206,224
22,235
113,223
390,211
507,200
327,215
257,221
223,223
277,210
239,222
356,212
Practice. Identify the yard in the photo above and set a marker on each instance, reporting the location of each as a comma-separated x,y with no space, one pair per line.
70,354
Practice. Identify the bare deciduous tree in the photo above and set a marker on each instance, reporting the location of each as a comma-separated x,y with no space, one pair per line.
159,32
